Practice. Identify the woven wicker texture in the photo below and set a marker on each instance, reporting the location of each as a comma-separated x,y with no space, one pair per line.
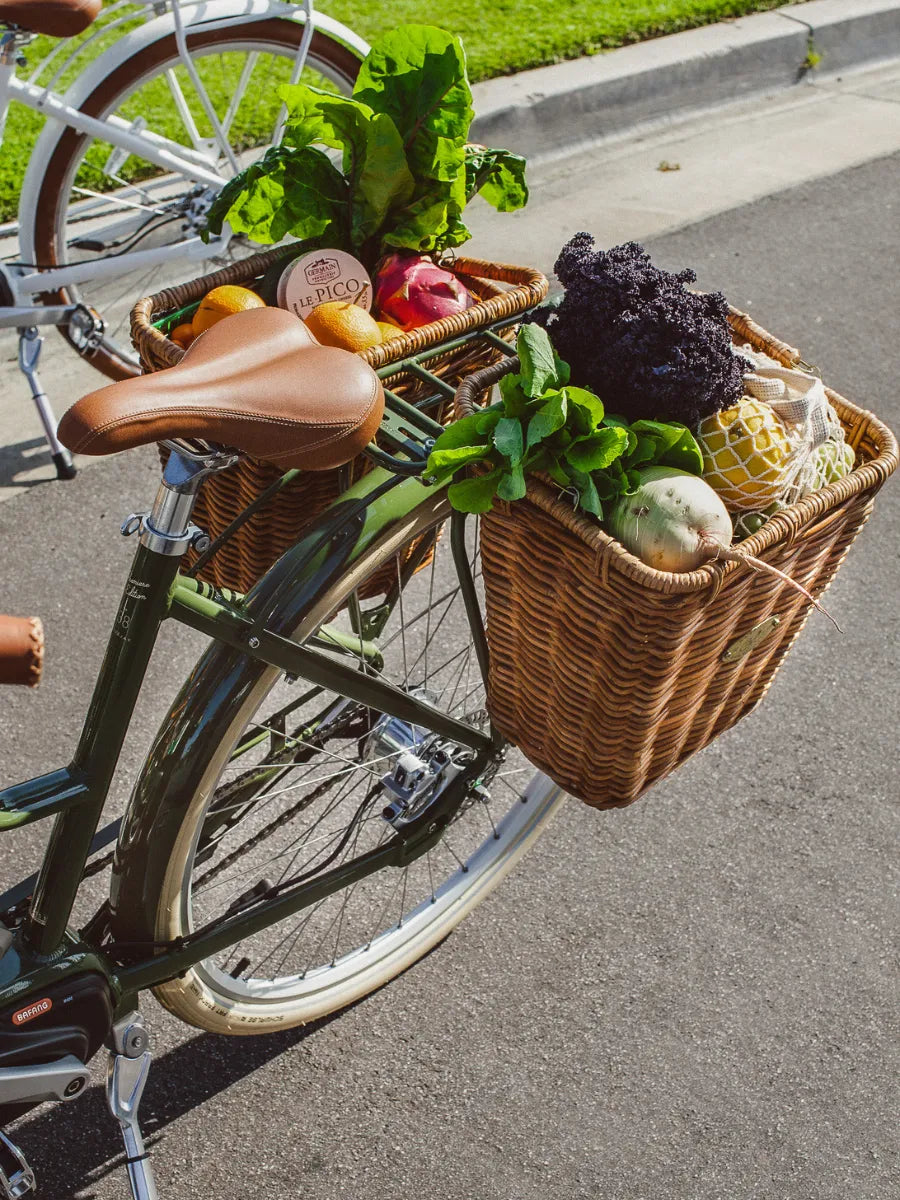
502,291
607,673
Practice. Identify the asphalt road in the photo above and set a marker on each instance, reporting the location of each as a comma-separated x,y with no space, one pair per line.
693,998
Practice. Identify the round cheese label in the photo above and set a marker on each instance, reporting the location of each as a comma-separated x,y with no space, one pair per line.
323,275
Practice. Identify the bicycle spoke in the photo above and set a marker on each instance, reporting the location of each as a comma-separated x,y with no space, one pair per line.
246,72
403,899
428,611
321,786
121,201
183,109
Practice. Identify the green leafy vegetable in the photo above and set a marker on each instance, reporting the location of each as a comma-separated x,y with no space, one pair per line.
537,362
474,495
548,418
508,439
512,483
406,173
497,176
290,191
598,451
541,424
375,169
416,75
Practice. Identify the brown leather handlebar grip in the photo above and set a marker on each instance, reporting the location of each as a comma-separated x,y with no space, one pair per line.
21,650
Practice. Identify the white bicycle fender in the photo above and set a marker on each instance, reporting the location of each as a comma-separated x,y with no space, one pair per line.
210,14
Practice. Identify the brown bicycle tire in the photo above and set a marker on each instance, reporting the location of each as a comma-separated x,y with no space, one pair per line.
53,193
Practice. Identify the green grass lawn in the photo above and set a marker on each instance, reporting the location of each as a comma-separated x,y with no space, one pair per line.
501,37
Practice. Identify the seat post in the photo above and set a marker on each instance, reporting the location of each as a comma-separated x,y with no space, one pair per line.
167,528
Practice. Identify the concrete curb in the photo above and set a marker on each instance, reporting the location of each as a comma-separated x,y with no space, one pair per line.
548,111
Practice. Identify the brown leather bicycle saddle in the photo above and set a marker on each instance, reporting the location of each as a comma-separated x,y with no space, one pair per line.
258,381
56,18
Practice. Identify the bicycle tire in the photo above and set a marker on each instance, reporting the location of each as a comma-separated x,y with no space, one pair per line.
328,57
157,898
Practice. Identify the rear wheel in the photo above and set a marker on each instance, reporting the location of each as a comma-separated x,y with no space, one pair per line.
96,203
306,782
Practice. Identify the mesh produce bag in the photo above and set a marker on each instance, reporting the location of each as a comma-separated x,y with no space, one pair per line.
781,441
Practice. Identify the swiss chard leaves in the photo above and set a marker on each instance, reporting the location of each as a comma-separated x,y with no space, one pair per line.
406,167
417,75
289,192
432,221
497,176
374,164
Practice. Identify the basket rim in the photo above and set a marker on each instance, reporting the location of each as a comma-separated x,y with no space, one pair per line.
528,288
781,529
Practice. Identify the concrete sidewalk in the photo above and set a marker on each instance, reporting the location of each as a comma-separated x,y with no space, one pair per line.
550,111
655,181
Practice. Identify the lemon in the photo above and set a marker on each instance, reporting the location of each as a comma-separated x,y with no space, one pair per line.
222,302
389,331
748,457
343,324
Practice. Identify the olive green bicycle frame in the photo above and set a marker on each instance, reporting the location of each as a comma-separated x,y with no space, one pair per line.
46,949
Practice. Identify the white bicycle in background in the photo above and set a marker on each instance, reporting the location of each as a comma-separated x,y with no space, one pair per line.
149,115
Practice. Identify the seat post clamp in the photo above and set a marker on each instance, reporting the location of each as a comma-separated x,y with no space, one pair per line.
170,544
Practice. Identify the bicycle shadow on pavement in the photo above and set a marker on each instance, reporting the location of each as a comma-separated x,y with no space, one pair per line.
72,1147
20,460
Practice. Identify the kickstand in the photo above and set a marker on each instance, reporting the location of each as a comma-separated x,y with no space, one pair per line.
129,1065
30,342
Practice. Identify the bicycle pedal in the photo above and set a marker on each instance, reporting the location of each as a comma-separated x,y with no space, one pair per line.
16,1176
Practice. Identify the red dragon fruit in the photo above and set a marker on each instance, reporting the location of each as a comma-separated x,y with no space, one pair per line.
411,291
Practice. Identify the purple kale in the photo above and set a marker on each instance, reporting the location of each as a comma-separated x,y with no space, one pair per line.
638,338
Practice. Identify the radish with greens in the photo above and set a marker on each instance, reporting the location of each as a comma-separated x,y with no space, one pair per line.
543,425
674,521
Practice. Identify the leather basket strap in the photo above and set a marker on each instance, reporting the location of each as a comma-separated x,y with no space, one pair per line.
21,650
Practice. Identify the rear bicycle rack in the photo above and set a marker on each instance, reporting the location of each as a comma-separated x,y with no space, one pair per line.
407,429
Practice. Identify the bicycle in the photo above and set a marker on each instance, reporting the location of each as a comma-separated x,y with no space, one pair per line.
112,191
326,799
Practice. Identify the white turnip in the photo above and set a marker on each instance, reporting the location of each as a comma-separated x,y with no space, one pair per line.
676,522
673,522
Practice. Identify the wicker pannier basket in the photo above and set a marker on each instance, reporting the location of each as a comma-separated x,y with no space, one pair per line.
502,291
607,673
